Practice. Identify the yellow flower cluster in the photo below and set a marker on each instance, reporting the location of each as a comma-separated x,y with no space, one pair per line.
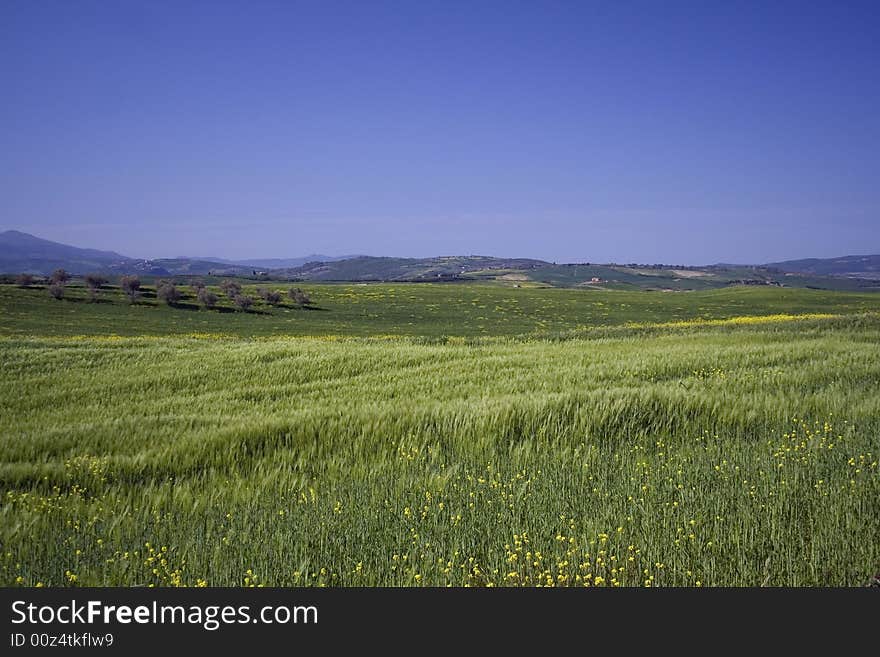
804,441
742,320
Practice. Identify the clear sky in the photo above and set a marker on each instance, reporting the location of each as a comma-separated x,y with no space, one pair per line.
677,132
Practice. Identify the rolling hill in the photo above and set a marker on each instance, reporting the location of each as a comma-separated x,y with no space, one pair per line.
21,252
864,266
265,264
525,272
368,268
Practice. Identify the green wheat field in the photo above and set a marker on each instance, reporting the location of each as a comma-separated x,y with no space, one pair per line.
436,435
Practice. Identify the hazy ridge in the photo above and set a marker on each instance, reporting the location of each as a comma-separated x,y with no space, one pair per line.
21,252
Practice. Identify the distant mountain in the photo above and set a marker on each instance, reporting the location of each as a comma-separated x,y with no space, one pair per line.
863,266
194,267
369,268
518,272
266,264
21,252
289,263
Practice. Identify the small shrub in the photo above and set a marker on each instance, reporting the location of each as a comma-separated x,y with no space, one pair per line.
168,292
300,297
243,302
94,283
131,287
206,298
273,297
231,289
56,290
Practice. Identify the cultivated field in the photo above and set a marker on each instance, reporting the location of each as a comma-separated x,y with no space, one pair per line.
442,435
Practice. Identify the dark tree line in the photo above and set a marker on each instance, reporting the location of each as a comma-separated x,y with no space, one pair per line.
168,291
59,279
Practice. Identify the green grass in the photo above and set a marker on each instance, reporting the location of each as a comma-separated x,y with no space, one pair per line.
414,309
582,450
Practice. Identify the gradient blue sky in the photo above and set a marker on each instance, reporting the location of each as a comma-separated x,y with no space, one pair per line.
678,132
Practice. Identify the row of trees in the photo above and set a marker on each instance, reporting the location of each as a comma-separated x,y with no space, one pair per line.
58,282
168,292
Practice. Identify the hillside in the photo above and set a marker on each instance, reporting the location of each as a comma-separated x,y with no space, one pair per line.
21,252
863,266
524,272
185,267
265,264
529,272
367,268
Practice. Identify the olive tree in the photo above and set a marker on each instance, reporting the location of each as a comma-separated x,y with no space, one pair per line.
94,283
272,297
300,297
131,287
243,302
56,290
206,298
230,289
168,292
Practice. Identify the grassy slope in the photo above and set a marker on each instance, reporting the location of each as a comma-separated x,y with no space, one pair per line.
308,461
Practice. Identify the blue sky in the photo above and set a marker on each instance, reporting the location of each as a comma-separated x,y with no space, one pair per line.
677,132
